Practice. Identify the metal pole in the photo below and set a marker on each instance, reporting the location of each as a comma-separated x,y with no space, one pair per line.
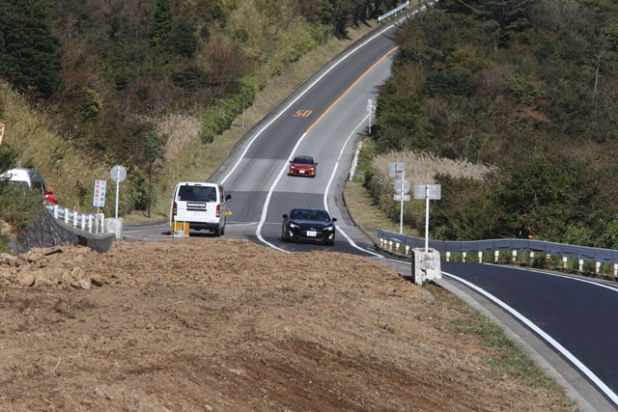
403,176
117,188
426,218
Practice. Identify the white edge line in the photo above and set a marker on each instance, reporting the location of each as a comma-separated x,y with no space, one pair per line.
258,231
589,374
330,181
613,289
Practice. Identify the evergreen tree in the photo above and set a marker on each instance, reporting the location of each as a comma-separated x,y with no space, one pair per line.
163,24
30,54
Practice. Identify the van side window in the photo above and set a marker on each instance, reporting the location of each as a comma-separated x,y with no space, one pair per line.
197,194
37,187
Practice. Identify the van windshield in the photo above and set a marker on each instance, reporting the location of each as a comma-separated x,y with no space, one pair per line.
197,193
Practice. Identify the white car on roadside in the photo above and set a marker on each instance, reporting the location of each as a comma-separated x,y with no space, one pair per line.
201,205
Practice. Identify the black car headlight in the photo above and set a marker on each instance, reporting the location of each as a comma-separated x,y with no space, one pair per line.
329,228
293,225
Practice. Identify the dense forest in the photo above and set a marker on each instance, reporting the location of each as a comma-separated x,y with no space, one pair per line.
104,73
527,87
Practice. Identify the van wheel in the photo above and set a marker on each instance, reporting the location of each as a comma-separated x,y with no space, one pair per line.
217,232
222,230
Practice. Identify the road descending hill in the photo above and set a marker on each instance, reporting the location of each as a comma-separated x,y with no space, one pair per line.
228,325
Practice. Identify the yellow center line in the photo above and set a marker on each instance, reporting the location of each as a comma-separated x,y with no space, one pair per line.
350,88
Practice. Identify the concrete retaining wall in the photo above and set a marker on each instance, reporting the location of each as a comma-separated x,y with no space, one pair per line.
46,231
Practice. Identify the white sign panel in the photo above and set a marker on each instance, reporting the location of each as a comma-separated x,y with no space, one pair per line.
395,169
403,198
432,192
99,193
401,186
118,173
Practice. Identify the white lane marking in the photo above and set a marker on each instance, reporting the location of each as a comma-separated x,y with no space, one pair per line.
613,289
589,374
284,169
299,96
330,181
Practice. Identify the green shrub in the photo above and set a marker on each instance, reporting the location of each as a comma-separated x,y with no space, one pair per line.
219,117
526,93
8,157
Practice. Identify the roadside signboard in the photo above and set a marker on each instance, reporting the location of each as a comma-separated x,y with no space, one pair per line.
99,193
118,174
402,198
432,192
396,169
402,186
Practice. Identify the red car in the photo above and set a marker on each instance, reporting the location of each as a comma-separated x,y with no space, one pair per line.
303,166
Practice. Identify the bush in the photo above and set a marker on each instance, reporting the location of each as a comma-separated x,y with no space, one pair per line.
8,157
18,205
220,117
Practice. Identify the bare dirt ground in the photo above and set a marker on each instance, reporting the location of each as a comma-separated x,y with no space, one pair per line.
228,325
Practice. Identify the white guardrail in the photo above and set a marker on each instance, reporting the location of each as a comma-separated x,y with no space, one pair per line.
393,12
391,241
89,222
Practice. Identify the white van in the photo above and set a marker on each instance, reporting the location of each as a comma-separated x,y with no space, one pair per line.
30,178
201,205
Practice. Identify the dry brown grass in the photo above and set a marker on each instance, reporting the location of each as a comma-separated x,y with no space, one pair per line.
421,168
64,167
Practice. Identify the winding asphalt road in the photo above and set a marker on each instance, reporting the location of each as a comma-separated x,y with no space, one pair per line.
568,325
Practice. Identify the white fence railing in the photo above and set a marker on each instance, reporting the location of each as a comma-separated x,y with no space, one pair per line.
89,222
392,241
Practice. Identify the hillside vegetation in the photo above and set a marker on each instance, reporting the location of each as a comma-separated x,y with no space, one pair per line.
150,85
527,89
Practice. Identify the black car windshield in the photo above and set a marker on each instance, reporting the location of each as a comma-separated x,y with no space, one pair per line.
303,160
198,193
310,214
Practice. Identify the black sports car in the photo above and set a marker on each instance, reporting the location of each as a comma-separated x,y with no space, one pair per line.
308,224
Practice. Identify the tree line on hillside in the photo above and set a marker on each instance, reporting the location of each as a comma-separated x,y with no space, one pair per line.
529,87
105,71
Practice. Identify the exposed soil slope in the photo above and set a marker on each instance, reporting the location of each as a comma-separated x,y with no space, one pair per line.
223,325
